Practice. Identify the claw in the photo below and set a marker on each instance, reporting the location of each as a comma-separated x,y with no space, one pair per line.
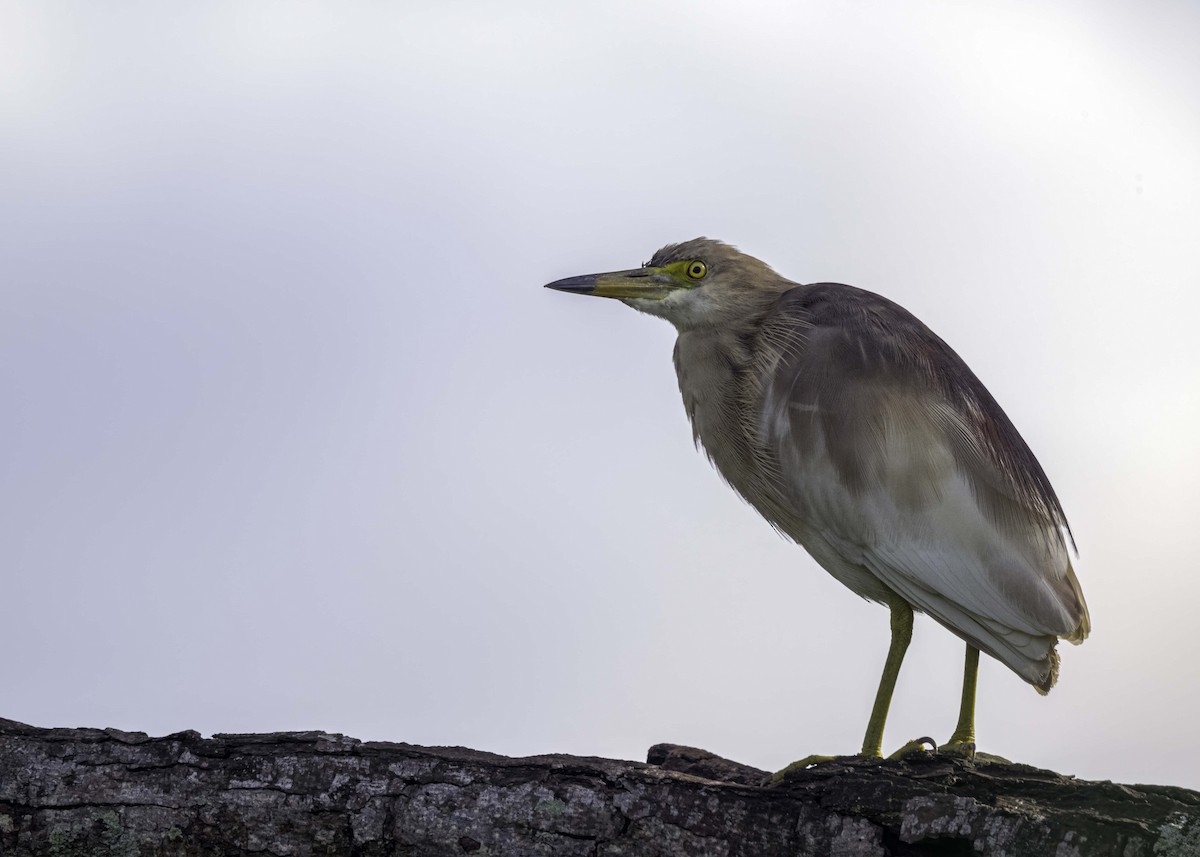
914,746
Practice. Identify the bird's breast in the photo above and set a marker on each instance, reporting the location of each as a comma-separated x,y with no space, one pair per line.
717,385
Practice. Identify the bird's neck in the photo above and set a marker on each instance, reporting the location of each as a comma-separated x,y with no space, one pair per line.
715,367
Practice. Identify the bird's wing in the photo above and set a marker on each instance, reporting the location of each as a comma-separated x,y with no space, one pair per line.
889,449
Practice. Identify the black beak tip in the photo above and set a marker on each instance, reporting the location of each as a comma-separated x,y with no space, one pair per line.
578,285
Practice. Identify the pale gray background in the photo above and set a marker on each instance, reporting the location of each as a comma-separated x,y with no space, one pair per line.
294,438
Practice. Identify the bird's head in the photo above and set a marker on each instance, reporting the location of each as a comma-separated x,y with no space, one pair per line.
698,283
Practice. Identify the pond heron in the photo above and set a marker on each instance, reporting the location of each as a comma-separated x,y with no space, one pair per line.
858,433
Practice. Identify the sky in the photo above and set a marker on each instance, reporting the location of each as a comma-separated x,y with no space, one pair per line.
293,438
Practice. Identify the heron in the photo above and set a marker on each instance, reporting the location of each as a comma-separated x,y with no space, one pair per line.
857,432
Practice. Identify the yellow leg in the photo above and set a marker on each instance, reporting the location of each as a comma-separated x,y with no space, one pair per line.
902,625
962,742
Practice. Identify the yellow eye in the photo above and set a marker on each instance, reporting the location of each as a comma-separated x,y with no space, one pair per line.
696,270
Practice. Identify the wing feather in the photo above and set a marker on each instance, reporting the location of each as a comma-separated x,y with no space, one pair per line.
893,454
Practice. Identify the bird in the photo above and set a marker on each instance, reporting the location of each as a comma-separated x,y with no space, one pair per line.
858,433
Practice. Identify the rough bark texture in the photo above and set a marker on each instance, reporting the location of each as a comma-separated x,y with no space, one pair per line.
93,791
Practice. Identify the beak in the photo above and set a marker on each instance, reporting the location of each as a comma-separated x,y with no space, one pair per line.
646,283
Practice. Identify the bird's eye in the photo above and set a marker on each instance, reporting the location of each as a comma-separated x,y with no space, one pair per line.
696,270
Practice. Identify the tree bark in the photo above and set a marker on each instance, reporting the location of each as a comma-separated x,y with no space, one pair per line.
103,791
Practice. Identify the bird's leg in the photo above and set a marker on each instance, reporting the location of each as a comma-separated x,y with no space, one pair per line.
962,742
902,625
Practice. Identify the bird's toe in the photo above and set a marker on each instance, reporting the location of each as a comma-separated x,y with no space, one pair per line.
782,775
918,745
964,749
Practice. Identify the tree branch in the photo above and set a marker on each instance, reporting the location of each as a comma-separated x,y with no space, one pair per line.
92,791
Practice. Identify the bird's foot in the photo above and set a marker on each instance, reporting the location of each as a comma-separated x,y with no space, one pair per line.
918,745
962,746
965,749
780,776
959,746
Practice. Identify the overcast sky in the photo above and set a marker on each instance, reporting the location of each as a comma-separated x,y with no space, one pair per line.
293,438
